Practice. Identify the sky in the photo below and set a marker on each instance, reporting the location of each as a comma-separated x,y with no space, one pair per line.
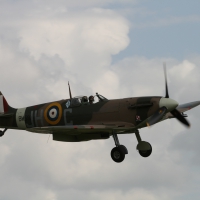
116,48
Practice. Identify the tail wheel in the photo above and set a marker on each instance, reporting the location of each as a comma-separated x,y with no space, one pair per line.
117,154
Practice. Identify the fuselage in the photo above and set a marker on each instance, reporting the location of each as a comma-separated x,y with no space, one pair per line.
120,112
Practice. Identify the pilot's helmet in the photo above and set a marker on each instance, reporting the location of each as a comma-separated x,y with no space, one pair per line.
91,99
84,99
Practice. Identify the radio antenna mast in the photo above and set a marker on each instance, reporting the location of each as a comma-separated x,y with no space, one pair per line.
70,94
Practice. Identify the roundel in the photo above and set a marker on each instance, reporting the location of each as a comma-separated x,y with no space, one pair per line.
53,113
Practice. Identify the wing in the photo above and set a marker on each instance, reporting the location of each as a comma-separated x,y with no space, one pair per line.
188,106
71,130
77,133
184,107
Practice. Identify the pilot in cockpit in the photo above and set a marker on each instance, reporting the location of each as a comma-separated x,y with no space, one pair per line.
84,100
91,99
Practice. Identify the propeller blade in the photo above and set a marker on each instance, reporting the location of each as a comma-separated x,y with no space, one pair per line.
166,85
178,116
157,116
174,112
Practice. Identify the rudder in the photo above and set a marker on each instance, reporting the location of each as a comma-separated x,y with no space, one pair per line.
4,107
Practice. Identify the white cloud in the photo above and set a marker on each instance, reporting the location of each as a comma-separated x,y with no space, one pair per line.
51,49
183,69
47,51
87,39
108,84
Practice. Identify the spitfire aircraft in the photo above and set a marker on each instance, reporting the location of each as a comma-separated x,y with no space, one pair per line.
82,119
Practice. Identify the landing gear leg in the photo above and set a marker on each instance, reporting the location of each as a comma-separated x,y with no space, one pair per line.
2,132
143,147
118,152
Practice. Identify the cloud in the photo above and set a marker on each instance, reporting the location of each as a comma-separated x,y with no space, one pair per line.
48,50
183,69
60,6
86,39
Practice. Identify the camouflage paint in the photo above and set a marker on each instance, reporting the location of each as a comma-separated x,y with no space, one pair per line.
120,114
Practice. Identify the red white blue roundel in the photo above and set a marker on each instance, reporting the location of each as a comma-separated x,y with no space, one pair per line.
53,113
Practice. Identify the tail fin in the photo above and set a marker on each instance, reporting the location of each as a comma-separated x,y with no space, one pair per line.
4,107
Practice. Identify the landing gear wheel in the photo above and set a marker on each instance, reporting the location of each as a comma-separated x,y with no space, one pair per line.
117,154
123,148
145,153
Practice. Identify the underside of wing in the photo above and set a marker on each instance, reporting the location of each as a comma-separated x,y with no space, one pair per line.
77,133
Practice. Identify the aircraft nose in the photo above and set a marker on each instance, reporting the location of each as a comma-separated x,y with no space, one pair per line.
170,104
